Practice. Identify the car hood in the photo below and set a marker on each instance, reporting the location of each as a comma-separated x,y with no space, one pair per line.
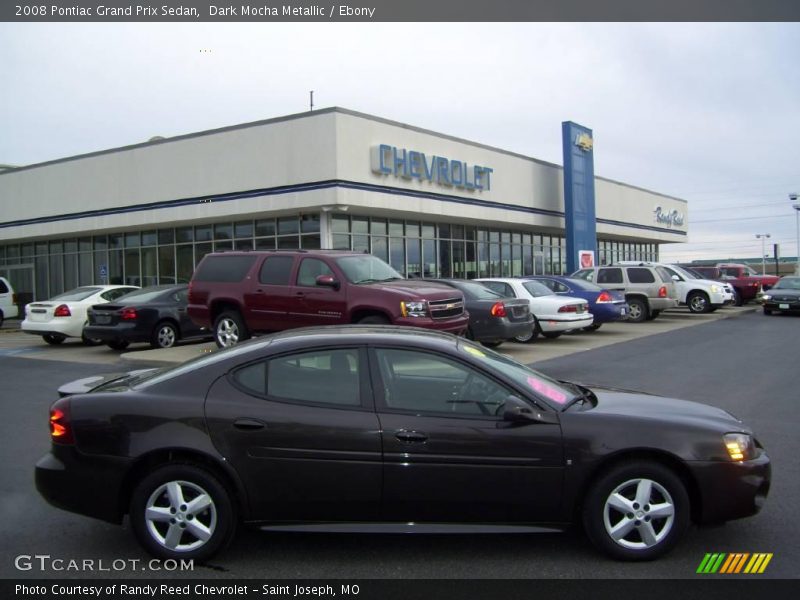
87,384
642,405
417,288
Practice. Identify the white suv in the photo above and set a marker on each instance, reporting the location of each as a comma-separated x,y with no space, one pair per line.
699,295
8,299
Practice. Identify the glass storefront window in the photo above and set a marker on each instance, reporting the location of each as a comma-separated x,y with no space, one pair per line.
378,227
184,259
243,229
340,224
310,241
202,233
288,225
132,240
166,236
223,231
149,266
149,238
265,243
265,227
166,265
184,234
359,225
309,223
396,229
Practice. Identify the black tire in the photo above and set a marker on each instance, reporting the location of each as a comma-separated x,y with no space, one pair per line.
374,320
698,302
637,310
551,335
593,327
53,339
218,518
737,298
165,335
492,344
229,329
2,318
118,344
653,315
642,536
767,311
529,338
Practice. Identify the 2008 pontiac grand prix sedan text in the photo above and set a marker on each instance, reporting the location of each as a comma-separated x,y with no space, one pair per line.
383,428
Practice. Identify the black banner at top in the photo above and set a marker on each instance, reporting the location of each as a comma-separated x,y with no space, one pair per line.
221,11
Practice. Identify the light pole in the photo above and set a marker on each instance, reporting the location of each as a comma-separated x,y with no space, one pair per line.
796,207
763,237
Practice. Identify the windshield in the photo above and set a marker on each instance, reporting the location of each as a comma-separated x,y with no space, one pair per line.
77,294
554,392
683,272
366,269
143,296
537,289
475,291
788,283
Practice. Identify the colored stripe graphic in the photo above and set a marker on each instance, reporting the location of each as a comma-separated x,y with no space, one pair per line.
733,563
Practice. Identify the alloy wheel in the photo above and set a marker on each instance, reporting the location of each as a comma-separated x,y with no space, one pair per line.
180,516
227,333
638,514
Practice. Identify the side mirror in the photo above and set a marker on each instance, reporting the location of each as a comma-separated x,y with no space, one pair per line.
518,411
327,281
676,278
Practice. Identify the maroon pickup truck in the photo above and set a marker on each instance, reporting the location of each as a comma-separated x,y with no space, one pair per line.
236,294
745,281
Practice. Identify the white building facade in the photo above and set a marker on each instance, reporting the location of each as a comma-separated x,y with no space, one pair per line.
429,204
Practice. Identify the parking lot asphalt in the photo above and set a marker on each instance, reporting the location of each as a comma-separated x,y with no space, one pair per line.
13,342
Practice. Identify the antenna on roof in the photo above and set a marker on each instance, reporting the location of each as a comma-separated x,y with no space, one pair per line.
311,100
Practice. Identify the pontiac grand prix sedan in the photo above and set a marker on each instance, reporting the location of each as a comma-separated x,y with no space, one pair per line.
389,429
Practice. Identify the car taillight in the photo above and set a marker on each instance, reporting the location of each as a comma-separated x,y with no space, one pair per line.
60,425
62,310
128,314
499,310
662,291
604,297
569,308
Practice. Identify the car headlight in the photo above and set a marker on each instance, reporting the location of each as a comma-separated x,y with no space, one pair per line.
766,297
740,446
715,289
417,308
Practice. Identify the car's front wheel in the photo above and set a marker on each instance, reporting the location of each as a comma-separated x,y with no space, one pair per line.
165,335
698,302
229,329
182,511
530,335
53,339
636,511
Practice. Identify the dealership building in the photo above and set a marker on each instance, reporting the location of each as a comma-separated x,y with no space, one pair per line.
431,205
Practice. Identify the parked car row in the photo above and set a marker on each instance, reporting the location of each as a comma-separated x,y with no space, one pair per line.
115,315
234,295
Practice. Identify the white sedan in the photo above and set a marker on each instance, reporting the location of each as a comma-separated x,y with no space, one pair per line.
64,315
554,314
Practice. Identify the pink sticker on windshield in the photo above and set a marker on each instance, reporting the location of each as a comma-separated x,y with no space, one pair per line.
547,391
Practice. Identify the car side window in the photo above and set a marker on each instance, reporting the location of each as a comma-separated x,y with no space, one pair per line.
556,286
310,269
419,382
500,287
319,377
587,274
276,270
3,287
612,275
640,275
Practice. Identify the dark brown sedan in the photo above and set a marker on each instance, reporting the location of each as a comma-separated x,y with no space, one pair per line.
390,429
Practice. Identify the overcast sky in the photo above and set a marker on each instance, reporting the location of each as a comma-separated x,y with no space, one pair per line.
706,112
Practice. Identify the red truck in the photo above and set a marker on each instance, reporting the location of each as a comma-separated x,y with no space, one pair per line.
745,281
235,294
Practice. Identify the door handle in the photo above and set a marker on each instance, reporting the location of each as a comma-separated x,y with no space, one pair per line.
411,437
249,424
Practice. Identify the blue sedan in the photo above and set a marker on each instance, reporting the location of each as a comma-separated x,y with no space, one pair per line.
605,305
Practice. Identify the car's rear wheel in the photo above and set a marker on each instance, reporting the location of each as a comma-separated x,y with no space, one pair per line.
118,344
529,336
637,310
53,339
551,335
165,335
229,329
182,511
636,511
653,315
492,344
593,327
737,298
698,302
